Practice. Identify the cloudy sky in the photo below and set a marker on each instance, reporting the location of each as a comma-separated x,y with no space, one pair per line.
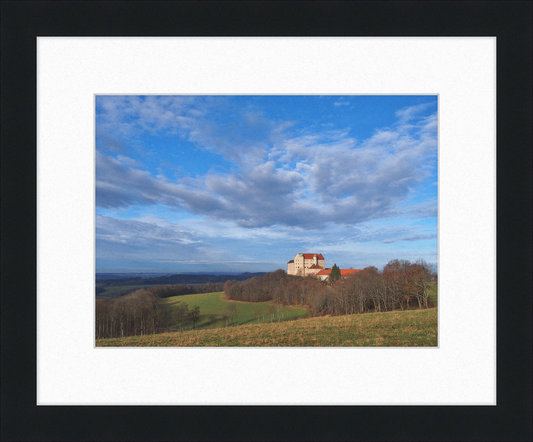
243,183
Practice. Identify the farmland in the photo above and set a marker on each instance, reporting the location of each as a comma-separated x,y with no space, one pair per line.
412,328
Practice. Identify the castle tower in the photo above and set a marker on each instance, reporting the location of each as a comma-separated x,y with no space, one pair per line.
305,264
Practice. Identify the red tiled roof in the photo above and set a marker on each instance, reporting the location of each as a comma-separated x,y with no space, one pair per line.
348,271
315,266
292,260
343,271
311,255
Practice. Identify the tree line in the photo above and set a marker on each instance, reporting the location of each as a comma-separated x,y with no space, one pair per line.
140,313
167,291
174,279
400,285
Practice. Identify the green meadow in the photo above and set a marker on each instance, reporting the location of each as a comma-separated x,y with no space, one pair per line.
214,305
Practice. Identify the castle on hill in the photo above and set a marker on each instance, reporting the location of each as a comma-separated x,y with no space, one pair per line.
305,264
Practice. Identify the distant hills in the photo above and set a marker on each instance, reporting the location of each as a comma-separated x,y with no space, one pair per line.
118,275
123,279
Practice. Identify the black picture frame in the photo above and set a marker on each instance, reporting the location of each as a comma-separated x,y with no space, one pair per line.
23,22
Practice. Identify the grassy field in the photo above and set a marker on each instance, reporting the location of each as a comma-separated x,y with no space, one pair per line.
214,305
413,328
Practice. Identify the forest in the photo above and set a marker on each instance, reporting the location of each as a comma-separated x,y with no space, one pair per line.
139,313
401,285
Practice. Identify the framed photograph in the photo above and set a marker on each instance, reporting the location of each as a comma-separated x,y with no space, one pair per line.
93,131
202,199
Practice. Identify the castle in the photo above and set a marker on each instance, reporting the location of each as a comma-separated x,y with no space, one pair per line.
305,264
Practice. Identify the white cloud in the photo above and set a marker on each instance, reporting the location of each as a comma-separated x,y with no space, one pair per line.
410,112
312,179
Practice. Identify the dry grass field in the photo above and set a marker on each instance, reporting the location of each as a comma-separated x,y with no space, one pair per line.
413,328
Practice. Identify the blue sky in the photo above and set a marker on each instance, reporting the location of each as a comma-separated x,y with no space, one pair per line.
244,183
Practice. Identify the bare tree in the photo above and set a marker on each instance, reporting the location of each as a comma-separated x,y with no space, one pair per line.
213,318
424,273
225,319
194,315
233,312
181,314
